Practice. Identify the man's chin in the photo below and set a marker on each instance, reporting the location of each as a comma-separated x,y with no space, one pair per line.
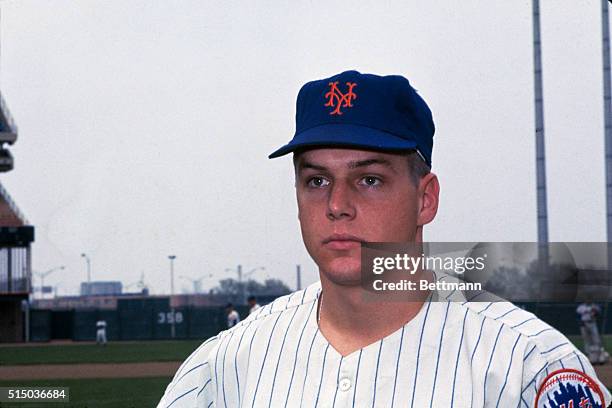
343,271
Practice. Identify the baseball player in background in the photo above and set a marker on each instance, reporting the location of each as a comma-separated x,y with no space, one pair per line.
232,315
362,155
101,332
593,347
253,305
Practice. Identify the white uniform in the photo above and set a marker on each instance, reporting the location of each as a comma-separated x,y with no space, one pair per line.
101,332
590,334
232,318
462,354
254,308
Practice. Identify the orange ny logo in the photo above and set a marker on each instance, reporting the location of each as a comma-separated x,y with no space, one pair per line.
337,99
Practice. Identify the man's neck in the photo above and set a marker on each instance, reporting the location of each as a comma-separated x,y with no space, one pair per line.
350,323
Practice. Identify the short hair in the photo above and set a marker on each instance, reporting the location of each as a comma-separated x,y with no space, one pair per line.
229,305
251,298
416,164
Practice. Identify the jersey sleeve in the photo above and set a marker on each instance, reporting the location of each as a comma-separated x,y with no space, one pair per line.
192,384
539,369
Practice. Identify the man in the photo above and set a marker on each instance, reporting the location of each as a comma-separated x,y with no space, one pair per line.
101,332
253,305
232,315
587,317
362,157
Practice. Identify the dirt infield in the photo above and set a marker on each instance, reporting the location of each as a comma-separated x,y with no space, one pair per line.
62,371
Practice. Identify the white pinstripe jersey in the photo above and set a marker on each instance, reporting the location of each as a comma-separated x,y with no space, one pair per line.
461,354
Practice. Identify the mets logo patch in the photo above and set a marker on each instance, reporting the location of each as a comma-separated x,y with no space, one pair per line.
568,388
337,100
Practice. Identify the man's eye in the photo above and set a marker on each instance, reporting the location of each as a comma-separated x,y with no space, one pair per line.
371,181
318,182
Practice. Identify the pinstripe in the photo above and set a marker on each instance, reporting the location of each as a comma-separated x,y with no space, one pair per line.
356,377
322,374
223,367
489,365
246,375
337,381
307,364
477,341
181,396
297,350
263,363
399,353
416,371
534,377
508,371
376,372
554,348
280,353
204,386
580,361
541,331
457,360
528,354
488,306
217,366
190,370
523,322
184,365
507,313
433,391
236,360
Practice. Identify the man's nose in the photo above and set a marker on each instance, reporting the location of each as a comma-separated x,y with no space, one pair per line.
340,203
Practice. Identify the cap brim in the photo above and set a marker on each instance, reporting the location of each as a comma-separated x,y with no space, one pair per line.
343,135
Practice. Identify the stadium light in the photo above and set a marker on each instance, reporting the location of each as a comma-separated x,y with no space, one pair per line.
172,327
88,260
43,275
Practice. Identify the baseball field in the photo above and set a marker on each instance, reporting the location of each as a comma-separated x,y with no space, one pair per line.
120,374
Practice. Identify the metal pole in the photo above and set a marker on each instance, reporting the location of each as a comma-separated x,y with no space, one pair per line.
299,277
172,322
89,271
542,216
241,285
605,35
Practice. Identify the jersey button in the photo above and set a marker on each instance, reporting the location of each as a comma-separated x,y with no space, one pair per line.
345,384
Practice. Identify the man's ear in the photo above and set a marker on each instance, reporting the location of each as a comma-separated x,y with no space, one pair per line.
429,194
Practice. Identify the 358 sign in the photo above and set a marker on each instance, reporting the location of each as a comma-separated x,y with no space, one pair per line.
169,318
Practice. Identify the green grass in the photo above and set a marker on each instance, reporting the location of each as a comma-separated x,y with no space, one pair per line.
606,339
99,393
116,352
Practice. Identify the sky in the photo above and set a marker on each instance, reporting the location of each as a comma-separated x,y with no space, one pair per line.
144,126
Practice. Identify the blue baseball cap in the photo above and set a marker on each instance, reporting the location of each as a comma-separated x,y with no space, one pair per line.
364,111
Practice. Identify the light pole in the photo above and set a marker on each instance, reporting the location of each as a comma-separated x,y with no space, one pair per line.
43,275
172,327
241,277
197,283
88,260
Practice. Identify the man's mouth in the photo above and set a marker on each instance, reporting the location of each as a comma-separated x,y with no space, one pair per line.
342,242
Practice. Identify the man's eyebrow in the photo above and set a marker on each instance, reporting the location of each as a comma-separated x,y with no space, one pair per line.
369,162
309,165
351,165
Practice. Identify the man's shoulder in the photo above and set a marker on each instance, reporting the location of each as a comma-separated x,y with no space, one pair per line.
270,312
536,334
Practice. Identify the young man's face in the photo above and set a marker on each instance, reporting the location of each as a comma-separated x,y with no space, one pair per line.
347,196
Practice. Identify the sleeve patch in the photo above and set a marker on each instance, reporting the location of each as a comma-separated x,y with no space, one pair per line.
569,388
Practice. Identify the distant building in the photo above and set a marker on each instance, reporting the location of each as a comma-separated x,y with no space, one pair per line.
101,288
